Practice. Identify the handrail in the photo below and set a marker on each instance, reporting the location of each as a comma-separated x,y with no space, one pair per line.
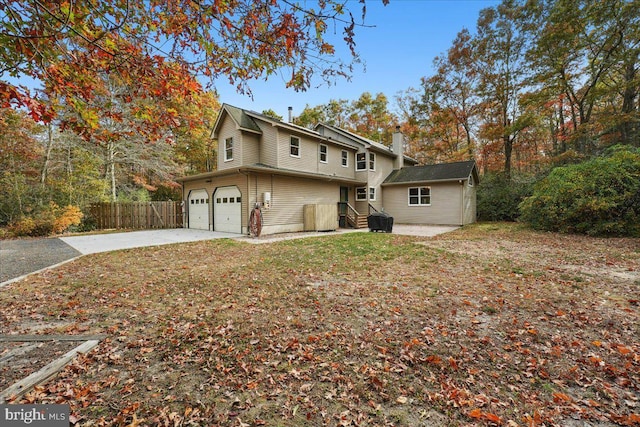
372,208
349,208
349,212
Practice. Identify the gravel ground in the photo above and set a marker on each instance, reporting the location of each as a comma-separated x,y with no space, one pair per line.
20,257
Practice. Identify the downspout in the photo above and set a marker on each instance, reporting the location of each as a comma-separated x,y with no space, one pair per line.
247,202
461,202
185,219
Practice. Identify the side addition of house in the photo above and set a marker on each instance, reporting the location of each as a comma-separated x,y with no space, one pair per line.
298,175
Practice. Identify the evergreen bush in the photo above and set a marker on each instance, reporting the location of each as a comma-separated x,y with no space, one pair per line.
599,197
499,197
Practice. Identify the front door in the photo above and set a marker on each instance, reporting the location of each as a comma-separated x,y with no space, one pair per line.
342,206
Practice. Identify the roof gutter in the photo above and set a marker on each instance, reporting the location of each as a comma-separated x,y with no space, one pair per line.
425,182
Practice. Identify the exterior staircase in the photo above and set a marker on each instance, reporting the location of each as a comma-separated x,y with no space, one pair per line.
352,217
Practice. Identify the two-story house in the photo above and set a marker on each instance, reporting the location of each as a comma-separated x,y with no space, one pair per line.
285,167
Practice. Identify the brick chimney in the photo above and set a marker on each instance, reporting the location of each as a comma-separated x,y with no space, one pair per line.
397,147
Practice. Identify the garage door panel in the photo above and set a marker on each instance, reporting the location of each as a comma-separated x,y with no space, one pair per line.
227,210
199,209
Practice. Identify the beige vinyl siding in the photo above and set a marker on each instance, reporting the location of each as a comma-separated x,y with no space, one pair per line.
250,148
361,207
470,213
384,166
334,162
288,197
445,209
228,130
269,145
308,159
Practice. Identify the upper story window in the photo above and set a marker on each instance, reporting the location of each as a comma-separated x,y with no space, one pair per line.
361,161
294,146
372,161
323,153
345,158
228,149
419,196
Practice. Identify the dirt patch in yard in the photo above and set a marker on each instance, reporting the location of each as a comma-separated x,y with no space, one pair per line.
21,359
487,325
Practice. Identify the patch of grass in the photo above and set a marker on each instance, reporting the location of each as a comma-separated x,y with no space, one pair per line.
489,310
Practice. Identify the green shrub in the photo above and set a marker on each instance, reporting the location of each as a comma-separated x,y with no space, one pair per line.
499,197
598,197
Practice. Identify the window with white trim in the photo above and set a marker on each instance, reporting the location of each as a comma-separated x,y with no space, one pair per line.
361,194
323,149
419,196
372,193
344,158
372,161
228,149
294,147
361,161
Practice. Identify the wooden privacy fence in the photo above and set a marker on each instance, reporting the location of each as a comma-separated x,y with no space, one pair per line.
137,215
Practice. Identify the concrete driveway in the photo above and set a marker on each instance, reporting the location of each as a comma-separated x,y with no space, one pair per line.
94,243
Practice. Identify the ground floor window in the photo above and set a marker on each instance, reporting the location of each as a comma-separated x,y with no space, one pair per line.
361,194
419,196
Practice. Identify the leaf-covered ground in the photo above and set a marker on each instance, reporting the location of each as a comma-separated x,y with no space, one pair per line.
489,325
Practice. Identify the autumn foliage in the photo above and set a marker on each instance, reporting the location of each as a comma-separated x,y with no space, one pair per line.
52,219
159,47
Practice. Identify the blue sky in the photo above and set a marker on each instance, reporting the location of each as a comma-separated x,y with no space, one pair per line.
408,35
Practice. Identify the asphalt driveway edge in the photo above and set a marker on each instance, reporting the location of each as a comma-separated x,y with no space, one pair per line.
50,267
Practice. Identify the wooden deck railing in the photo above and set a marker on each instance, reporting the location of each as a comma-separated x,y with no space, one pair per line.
352,217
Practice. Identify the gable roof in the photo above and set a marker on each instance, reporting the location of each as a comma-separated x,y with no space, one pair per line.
355,139
248,120
430,173
242,120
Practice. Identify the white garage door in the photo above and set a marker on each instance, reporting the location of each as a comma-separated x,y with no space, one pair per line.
227,210
199,209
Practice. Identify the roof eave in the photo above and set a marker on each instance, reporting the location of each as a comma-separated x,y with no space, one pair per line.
268,170
423,181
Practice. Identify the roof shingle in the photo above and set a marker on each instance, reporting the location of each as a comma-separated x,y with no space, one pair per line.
438,172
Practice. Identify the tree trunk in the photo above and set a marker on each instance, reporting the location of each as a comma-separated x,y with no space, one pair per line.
629,126
111,169
47,155
508,150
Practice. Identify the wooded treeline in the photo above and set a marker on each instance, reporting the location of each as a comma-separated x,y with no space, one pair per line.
46,167
537,84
